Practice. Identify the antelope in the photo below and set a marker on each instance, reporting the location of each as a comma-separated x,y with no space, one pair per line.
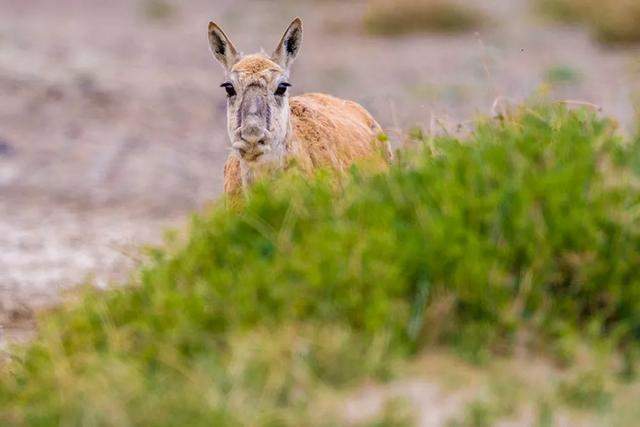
268,129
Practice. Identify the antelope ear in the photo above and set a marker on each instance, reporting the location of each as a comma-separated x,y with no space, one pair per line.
289,46
221,47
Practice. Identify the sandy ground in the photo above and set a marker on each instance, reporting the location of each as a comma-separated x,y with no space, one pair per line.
46,250
112,124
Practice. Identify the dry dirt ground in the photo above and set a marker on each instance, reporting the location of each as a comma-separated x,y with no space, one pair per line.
112,124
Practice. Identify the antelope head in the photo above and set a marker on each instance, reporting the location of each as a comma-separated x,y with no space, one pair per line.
256,87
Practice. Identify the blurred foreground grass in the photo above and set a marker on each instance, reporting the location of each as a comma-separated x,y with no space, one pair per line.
612,21
525,233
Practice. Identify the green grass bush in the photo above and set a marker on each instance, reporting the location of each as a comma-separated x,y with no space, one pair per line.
266,313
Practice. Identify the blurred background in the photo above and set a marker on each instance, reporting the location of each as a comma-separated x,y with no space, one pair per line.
112,124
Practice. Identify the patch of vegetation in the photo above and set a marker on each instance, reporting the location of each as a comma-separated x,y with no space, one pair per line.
266,314
612,21
410,16
617,21
501,402
587,391
477,414
562,75
545,413
158,10
568,11
396,413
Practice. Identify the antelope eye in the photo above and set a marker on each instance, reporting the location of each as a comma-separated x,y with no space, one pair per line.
229,88
282,88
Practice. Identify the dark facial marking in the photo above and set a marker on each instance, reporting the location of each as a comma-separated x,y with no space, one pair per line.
228,87
268,112
239,118
253,104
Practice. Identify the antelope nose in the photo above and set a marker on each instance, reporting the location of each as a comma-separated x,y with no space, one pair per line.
253,134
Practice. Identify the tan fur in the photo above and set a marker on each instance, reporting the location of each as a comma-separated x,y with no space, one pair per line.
255,65
232,175
326,132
